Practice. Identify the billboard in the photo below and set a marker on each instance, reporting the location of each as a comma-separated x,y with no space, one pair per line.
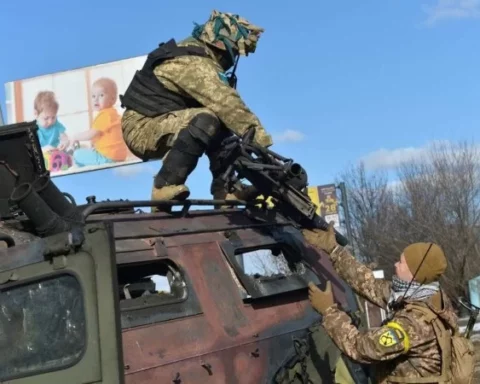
325,198
78,113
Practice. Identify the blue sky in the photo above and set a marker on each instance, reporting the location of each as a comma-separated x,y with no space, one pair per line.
334,82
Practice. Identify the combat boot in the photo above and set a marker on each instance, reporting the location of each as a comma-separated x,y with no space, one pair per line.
190,144
169,192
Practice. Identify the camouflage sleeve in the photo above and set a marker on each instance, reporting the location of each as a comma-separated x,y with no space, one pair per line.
378,344
201,80
360,278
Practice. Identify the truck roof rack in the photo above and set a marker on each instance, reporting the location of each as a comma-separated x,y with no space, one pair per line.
115,206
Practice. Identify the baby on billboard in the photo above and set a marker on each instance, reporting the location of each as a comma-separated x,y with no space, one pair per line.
105,135
51,132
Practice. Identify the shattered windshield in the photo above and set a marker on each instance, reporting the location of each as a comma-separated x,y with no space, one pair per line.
42,326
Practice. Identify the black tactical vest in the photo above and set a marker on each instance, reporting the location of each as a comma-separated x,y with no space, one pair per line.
147,95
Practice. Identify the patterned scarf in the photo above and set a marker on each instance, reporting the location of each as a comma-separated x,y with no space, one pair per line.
416,291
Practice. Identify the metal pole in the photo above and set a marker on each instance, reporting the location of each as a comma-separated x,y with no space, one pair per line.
346,212
1,117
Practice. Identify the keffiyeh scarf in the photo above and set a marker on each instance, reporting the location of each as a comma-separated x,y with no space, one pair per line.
411,290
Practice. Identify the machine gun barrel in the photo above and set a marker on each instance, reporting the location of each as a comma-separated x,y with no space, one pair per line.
273,176
294,169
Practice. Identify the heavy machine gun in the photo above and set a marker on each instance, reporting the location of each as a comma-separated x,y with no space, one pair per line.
274,176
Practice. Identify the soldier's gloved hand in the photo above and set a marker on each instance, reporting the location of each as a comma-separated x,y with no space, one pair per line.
324,240
263,139
320,300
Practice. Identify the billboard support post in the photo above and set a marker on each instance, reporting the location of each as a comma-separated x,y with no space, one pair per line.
346,211
1,117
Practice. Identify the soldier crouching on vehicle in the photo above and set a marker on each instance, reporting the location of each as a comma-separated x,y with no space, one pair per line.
405,347
181,105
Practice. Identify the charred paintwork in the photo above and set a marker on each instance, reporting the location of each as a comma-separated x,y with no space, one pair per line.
217,335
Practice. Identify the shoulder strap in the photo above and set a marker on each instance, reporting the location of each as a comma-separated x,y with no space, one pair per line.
427,314
169,50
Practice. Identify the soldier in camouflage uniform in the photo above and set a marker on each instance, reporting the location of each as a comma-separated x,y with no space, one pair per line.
181,104
405,347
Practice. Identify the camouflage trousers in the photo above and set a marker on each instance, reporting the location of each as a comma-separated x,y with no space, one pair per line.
151,138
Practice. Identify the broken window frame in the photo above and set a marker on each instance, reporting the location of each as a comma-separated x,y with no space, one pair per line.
136,312
271,286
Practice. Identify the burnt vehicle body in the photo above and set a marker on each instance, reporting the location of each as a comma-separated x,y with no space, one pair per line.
79,304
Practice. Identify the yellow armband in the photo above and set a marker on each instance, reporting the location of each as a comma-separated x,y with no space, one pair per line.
404,336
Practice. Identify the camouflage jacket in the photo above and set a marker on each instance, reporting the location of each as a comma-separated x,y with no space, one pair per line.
405,346
203,79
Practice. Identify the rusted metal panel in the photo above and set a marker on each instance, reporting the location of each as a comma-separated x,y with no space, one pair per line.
245,364
128,226
136,235
131,245
223,336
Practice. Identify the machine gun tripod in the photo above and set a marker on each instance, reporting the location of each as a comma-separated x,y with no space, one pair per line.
273,176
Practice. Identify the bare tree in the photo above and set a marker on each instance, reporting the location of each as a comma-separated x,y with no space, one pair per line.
434,199
372,214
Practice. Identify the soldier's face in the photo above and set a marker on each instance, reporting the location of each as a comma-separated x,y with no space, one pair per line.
401,269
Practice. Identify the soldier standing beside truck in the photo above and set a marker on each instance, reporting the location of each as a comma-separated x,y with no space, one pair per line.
406,347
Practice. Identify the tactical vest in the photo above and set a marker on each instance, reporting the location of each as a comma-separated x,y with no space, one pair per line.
147,95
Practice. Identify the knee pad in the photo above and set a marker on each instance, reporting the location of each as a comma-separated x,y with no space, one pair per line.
204,127
198,135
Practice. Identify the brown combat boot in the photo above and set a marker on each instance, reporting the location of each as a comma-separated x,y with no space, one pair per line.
169,192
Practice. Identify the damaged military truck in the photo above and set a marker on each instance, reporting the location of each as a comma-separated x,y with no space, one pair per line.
105,293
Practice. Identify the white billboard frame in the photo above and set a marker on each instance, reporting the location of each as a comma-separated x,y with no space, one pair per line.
72,90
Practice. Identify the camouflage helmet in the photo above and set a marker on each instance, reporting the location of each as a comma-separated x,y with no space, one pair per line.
229,32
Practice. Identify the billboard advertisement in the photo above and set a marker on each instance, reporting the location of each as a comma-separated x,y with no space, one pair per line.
325,198
78,114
